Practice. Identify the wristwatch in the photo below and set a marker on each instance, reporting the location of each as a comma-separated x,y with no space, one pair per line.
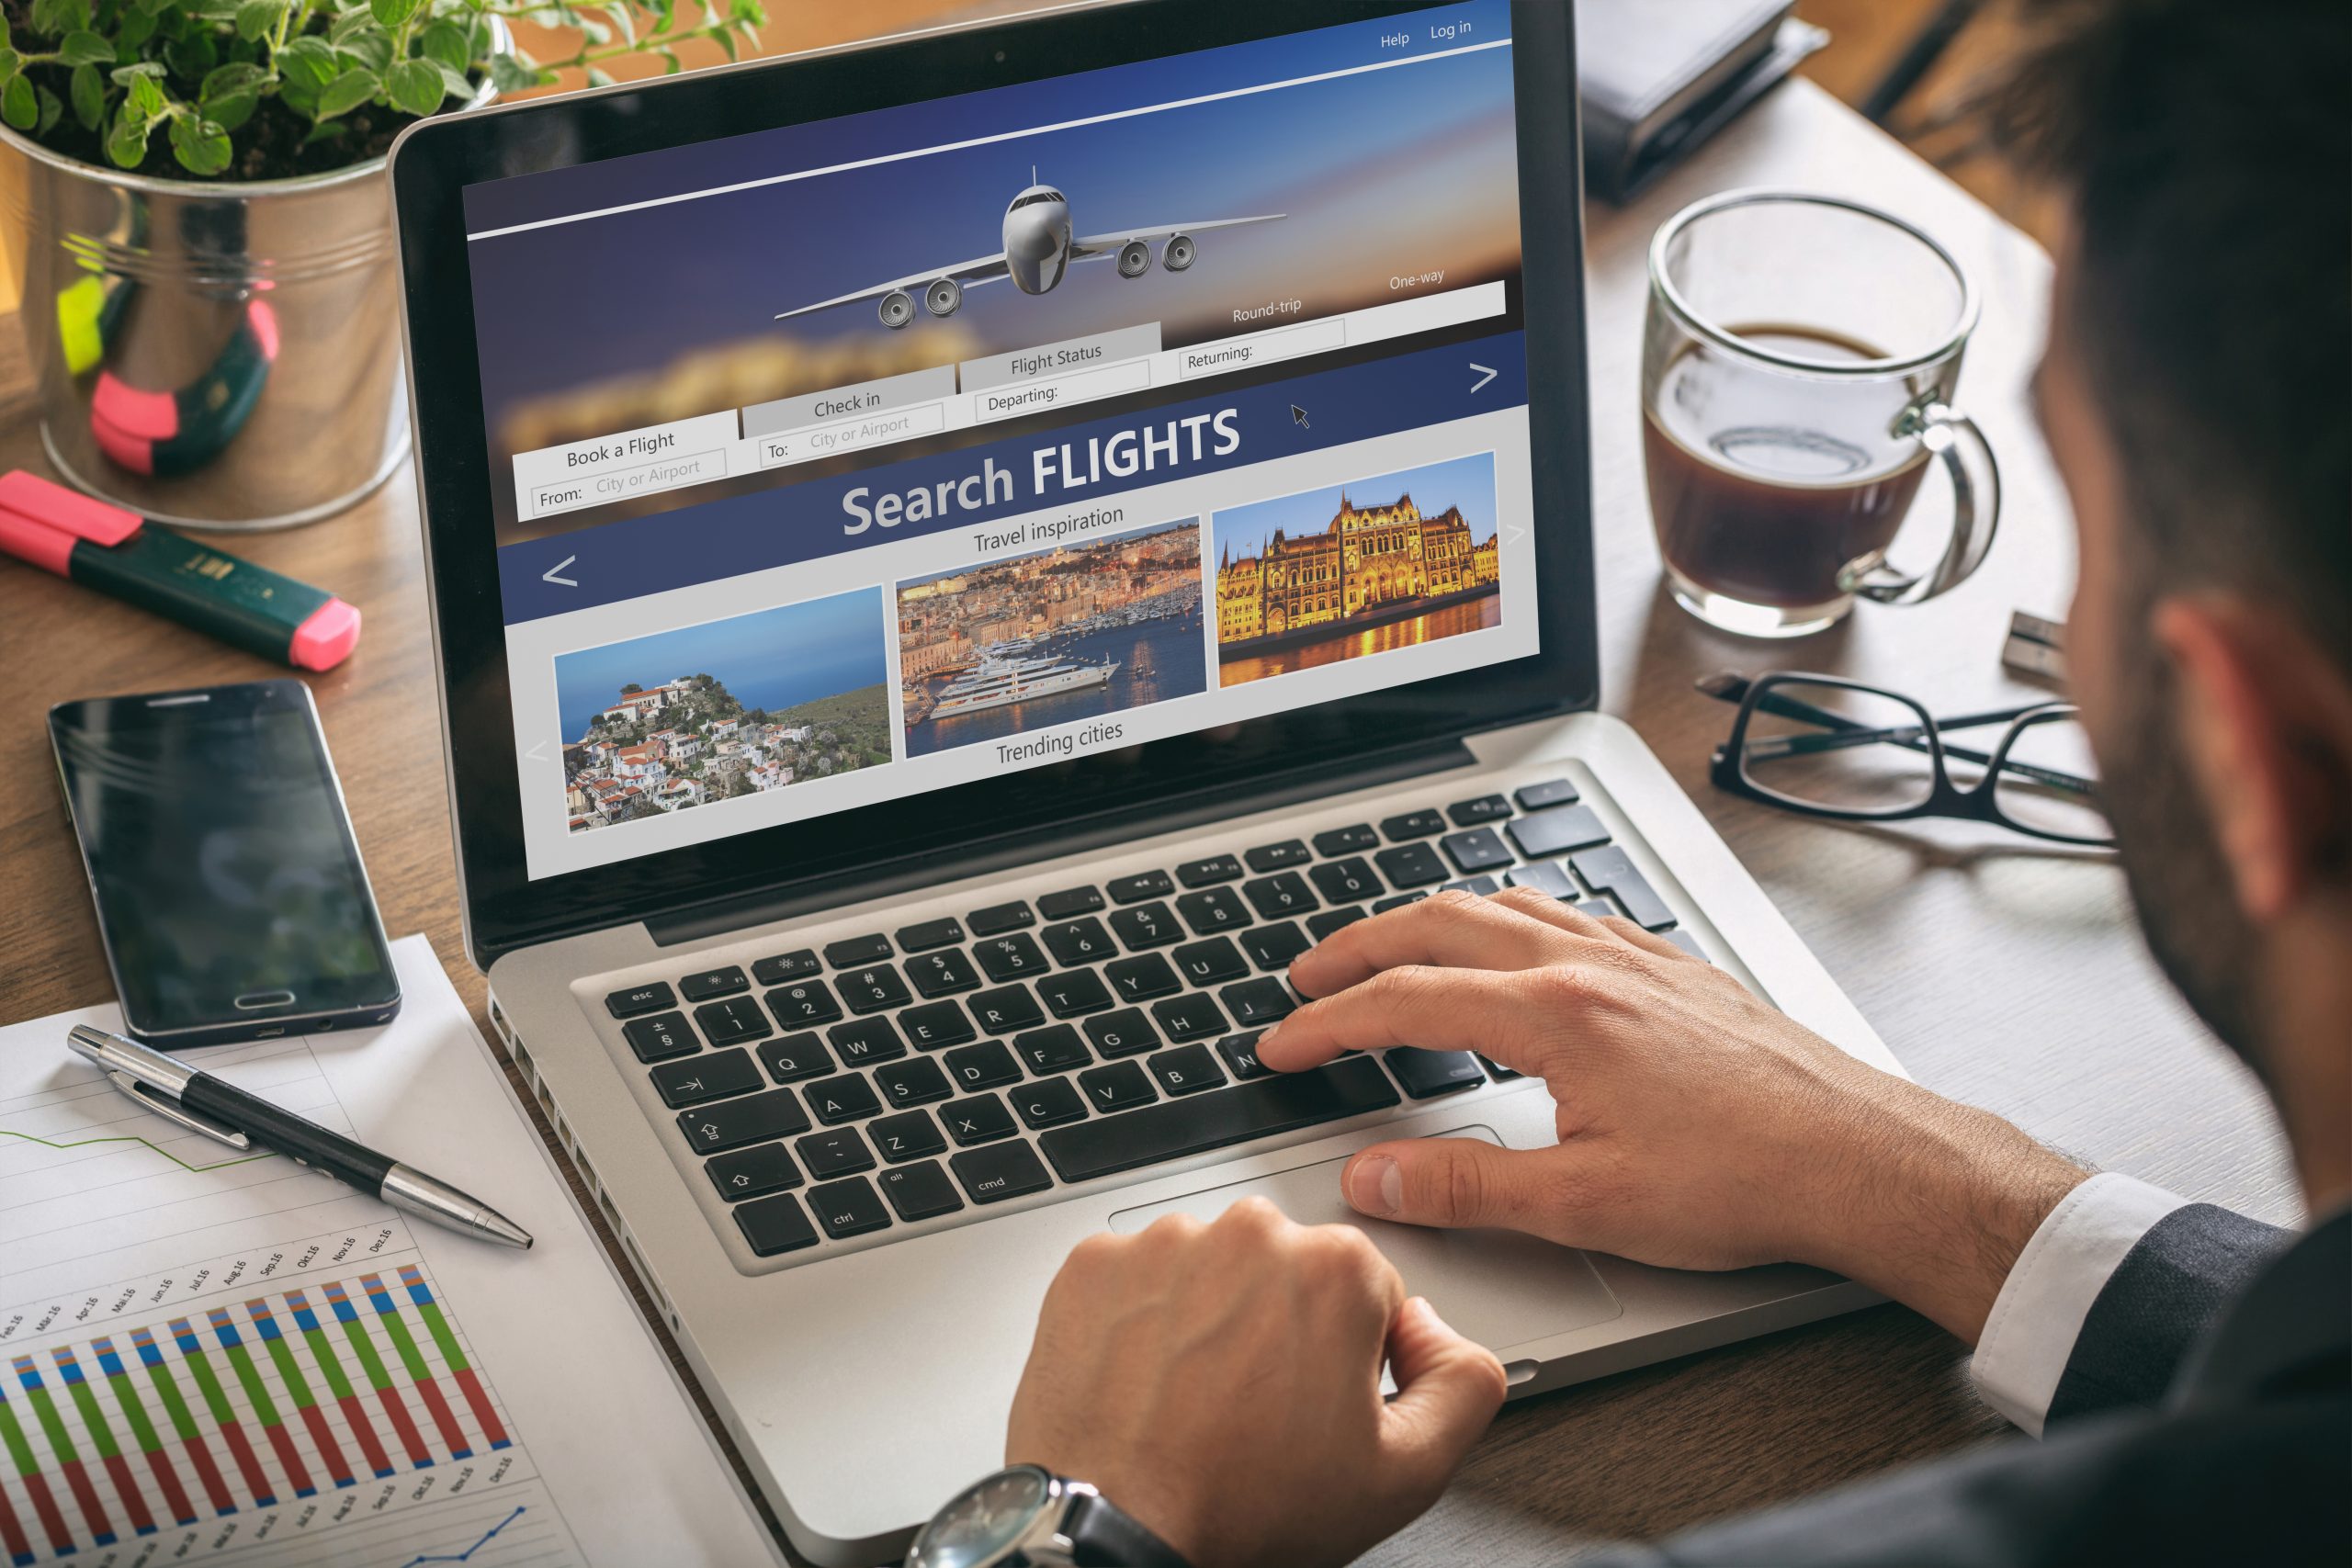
1026,1516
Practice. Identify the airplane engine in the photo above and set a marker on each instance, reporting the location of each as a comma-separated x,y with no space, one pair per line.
942,298
1178,253
1135,259
896,310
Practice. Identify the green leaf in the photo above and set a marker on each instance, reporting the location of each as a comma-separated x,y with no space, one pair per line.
307,62
445,41
232,109
255,17
326,131
10,63
665,14
414,87
624,25
52,17
727,42
200,145
455,82
17,105
124,75
147,95
670,63
348,91
393,13
749,13
510,74
599,77
234,77
596,31
367,45
126,142
52,110
192,56
89,92
85,49
135,28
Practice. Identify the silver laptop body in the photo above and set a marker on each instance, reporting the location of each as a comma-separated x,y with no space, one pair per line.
709,1032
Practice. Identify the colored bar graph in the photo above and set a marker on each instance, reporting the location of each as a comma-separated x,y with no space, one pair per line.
20,1454
11,1533
117,1468
77,1476
297,1388
377,1378
418,1372
168,1389
353,1410
437,1323
207,1383
142,1431
272,1424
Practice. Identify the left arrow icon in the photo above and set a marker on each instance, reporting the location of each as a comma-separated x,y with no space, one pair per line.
549,575
538,753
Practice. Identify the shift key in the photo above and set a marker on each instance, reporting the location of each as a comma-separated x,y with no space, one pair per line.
1174,1128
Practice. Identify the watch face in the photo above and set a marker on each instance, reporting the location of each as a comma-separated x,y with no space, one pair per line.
986,1520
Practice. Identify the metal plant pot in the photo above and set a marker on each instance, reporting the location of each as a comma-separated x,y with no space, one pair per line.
222,355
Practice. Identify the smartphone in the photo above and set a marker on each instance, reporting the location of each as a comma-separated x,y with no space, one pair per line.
230,896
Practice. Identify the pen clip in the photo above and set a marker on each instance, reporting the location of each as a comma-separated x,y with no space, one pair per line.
169,1111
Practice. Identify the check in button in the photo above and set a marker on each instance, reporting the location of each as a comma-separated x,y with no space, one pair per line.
621,484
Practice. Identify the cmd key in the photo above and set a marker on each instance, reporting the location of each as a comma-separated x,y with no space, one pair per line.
1004,1171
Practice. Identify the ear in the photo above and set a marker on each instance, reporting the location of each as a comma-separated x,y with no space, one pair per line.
2267,722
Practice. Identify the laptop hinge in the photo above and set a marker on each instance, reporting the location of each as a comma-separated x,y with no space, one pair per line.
703,923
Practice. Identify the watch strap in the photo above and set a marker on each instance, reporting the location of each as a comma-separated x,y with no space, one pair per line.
1102,1535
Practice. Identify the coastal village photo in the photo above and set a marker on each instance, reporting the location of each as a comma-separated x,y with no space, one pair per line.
1388,561
1038,639
768,700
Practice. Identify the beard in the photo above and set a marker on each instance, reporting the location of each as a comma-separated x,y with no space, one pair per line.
2173,865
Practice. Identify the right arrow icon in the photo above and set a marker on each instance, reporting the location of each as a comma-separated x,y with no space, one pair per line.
1486,375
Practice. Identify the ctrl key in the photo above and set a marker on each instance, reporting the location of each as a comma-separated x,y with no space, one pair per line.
775,1224
999,1171
848,1208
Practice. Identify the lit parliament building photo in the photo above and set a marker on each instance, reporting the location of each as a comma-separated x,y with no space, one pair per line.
1392,569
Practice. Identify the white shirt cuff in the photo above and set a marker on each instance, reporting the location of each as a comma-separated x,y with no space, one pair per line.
2039,1315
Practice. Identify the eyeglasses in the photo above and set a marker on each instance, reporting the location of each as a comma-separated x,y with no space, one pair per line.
1831,747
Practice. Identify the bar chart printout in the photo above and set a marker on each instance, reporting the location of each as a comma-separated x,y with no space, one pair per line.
343,1418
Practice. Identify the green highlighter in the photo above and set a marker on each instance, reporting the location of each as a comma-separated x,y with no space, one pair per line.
122,554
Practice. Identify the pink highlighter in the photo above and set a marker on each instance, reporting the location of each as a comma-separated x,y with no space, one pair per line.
122,554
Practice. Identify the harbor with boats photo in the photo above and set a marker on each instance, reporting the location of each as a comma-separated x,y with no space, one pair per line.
1038,639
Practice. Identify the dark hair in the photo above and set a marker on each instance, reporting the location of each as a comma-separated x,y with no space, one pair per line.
2206,150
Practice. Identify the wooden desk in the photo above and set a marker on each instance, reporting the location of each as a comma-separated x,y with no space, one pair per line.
2002,975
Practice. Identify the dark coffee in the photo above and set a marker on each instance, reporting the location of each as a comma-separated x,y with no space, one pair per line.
1764,488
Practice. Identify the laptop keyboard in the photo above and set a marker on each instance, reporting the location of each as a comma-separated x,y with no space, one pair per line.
899,1076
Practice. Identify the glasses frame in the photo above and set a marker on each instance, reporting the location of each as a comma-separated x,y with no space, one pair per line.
1979,802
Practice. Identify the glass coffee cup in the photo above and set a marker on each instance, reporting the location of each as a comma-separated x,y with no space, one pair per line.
1798,364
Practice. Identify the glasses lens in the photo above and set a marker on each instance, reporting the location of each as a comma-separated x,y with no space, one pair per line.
2047,782
1839,747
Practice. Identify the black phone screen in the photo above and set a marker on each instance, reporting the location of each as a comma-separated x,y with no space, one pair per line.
229,888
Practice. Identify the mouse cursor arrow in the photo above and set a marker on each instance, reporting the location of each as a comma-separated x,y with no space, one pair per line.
1298,417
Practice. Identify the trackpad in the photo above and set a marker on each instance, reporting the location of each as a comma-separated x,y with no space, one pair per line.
1499,1288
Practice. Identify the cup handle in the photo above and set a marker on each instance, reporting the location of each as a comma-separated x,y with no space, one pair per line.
1953,437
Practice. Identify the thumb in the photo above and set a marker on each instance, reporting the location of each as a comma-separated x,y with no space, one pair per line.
1449,1181
1447,1390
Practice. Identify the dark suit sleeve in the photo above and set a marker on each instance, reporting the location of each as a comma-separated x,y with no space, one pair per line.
2261,1483
2163,1296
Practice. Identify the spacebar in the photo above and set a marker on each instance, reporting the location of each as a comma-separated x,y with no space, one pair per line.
1174,1128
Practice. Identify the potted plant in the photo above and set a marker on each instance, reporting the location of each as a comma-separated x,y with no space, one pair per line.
192,196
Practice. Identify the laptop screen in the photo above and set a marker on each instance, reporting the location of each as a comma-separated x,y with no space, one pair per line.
849,461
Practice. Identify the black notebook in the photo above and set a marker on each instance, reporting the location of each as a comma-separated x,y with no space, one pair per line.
1657,79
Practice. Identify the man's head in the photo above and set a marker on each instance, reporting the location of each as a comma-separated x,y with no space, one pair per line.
2197,395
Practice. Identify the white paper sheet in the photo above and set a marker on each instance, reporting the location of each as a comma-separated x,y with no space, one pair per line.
213,1358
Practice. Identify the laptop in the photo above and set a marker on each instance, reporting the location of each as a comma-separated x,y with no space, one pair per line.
953,561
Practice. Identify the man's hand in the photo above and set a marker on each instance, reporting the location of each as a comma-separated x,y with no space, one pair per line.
1221,1384
1699,1128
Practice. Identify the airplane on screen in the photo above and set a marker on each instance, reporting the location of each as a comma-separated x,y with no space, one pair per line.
1038,249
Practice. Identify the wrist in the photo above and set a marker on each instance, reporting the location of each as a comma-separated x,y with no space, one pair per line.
1944,1200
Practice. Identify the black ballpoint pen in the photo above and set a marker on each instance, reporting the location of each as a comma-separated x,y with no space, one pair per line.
202,1102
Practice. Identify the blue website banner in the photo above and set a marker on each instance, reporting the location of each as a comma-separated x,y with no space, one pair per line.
1094,460
881,133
